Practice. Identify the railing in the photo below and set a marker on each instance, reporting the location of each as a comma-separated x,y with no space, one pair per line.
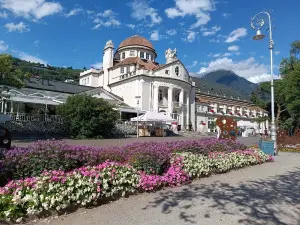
162,103
35,117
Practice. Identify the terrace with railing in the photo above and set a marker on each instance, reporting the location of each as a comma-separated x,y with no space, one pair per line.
35,117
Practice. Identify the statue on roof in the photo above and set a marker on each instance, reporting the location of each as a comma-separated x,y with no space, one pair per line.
171,55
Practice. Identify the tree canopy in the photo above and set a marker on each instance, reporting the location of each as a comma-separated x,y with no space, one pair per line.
10,74
88,117
286,90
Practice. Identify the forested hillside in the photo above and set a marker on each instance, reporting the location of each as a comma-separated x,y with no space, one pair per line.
47,72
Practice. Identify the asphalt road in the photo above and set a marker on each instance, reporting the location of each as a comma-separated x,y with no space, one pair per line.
264,194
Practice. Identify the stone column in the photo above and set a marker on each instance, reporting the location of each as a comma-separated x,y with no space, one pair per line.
155,98
187,110
225,109
233,110
5,107
11,107
170,101
193,107
181,95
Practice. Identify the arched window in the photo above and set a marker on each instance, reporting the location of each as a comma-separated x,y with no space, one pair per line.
177,70
160,95
177,97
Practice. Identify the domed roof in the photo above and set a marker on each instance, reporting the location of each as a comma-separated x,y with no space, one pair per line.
136,40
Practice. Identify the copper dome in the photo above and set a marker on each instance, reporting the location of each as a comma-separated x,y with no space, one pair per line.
136,40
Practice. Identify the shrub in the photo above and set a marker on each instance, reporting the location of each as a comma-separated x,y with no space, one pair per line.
150,157
88,117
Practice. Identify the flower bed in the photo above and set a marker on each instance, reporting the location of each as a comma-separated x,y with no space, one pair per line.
97,180
56,155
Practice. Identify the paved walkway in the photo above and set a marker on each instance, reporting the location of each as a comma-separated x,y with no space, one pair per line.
265,194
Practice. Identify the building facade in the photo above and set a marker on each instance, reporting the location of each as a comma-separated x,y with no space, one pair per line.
132,73
209,107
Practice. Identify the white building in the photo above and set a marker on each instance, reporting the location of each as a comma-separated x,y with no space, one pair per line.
132,73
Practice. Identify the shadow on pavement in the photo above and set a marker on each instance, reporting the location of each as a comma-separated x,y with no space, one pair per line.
275,200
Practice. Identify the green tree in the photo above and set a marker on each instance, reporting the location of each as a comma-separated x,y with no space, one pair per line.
290,70
279,96
88,117
9,74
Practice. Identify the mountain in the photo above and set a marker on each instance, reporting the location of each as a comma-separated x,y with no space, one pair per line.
223,81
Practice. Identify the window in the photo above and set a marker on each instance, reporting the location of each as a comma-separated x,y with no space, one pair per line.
122,69
87,80
177,70
123,55
142,55
160,95
132,53
167,72
147,56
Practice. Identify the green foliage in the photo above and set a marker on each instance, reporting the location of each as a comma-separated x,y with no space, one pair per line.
46,71
286,90
88,117
10,74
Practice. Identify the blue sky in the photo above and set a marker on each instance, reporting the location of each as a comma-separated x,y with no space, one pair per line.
208,34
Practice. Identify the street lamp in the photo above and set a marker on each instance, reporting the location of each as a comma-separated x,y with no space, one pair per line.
258,22
137,118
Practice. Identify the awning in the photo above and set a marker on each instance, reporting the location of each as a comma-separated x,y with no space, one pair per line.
42,101
154,117
131,110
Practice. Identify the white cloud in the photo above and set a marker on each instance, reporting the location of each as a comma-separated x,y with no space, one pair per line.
191,36
4,15
74,12
31,58
97,65
193,64
31,9
226,15
171,32
106,19
233,48
236,35
132,26
37,43
249,68
142,11
198,8
17,27
154,35
3,46
277,52
214,40
227,54
212,31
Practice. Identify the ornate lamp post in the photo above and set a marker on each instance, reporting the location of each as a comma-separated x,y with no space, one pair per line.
137,119
258,22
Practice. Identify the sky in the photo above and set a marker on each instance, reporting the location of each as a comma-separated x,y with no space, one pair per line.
208,34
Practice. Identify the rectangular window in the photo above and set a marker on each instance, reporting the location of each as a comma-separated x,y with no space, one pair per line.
132,53
147,56
167,72
142,55
87,80
123,55
122,69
